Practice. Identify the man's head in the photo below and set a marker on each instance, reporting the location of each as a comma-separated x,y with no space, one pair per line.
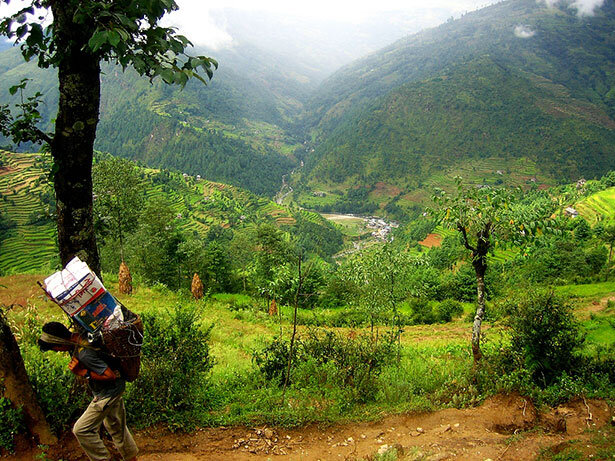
52,332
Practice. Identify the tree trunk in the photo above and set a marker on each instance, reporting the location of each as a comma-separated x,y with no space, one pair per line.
478,318
73,142
17,388
479,261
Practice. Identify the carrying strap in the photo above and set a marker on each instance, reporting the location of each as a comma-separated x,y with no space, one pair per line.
56,340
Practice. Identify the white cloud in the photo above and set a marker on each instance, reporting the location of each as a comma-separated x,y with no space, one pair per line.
583,7
524,32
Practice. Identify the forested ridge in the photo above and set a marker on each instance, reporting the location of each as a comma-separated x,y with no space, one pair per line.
471,88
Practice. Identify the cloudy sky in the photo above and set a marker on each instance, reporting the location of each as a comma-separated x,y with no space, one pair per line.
195,17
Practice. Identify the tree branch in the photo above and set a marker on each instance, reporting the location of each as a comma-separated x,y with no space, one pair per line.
466,242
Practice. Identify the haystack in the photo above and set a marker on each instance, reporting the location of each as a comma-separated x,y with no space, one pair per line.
273,308
125,280
197,287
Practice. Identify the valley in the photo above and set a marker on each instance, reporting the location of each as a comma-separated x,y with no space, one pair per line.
383,237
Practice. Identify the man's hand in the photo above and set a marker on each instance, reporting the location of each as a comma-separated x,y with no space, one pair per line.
77,368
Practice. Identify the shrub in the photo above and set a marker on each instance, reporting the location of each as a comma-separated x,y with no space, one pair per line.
545,333
61,395
325,357
173,383
422,312
11,424
447,310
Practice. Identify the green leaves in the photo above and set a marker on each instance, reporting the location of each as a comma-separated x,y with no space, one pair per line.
125,32
99,38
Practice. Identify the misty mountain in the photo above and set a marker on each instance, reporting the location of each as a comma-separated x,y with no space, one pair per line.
315,48
230,130
513,80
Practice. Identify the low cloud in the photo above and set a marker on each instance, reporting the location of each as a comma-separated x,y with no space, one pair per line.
524,32
583,7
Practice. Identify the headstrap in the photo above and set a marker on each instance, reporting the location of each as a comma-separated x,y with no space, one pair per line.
56,340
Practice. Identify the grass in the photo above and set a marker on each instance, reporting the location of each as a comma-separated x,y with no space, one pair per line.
434,368
590,290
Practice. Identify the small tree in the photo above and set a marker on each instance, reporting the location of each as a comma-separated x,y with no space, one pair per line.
377,278
485,218
118,198
608,237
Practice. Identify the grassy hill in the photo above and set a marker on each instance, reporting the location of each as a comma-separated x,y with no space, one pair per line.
231,130
469,93
26,201
31,244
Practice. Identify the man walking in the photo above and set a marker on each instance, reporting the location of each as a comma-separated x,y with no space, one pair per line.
107,407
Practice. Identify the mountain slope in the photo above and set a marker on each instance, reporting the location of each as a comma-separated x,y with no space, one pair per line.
230,130
474,111
471,89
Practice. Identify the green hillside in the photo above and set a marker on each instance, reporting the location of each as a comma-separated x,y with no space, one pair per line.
467,114
27,233
30,242
598,207
229,131
471,90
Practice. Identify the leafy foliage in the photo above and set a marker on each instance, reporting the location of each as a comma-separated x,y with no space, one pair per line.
11,424
175,367
547,336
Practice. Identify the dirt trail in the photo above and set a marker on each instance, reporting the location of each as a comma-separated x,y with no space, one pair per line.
503,428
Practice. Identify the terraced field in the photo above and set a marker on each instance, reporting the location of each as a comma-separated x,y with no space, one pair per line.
439,233
598,207
28,246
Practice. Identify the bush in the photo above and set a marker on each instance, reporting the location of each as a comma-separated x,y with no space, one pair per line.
62,396
11,424
328,358
422,312
447,310
547,336
173,384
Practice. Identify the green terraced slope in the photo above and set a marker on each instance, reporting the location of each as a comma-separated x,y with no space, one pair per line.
598,207
31,245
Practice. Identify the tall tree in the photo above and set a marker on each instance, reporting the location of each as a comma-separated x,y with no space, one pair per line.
81,35
484,218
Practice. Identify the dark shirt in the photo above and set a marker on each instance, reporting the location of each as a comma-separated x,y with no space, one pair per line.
94,361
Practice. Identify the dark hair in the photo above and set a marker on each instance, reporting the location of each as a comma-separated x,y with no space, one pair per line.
55,329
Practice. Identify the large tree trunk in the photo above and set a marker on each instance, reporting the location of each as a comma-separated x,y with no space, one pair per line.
73,143
17,388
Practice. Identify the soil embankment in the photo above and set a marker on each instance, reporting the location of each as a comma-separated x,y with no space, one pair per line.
503,428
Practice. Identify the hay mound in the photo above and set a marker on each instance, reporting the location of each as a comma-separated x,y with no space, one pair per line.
197,287
125,280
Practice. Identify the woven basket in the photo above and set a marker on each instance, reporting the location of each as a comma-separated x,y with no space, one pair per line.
124,343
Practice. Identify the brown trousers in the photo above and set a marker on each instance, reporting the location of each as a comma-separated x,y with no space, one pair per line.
111,413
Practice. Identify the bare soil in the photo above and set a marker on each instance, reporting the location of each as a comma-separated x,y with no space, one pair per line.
505,427
432,240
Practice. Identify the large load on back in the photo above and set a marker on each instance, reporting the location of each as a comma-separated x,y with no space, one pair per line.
83,297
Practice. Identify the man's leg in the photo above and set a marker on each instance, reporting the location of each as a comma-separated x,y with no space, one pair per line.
115,423
87,428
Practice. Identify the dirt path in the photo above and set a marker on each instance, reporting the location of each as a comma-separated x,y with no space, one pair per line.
503,428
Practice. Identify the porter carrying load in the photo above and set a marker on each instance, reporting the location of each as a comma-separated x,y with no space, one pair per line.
84,299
